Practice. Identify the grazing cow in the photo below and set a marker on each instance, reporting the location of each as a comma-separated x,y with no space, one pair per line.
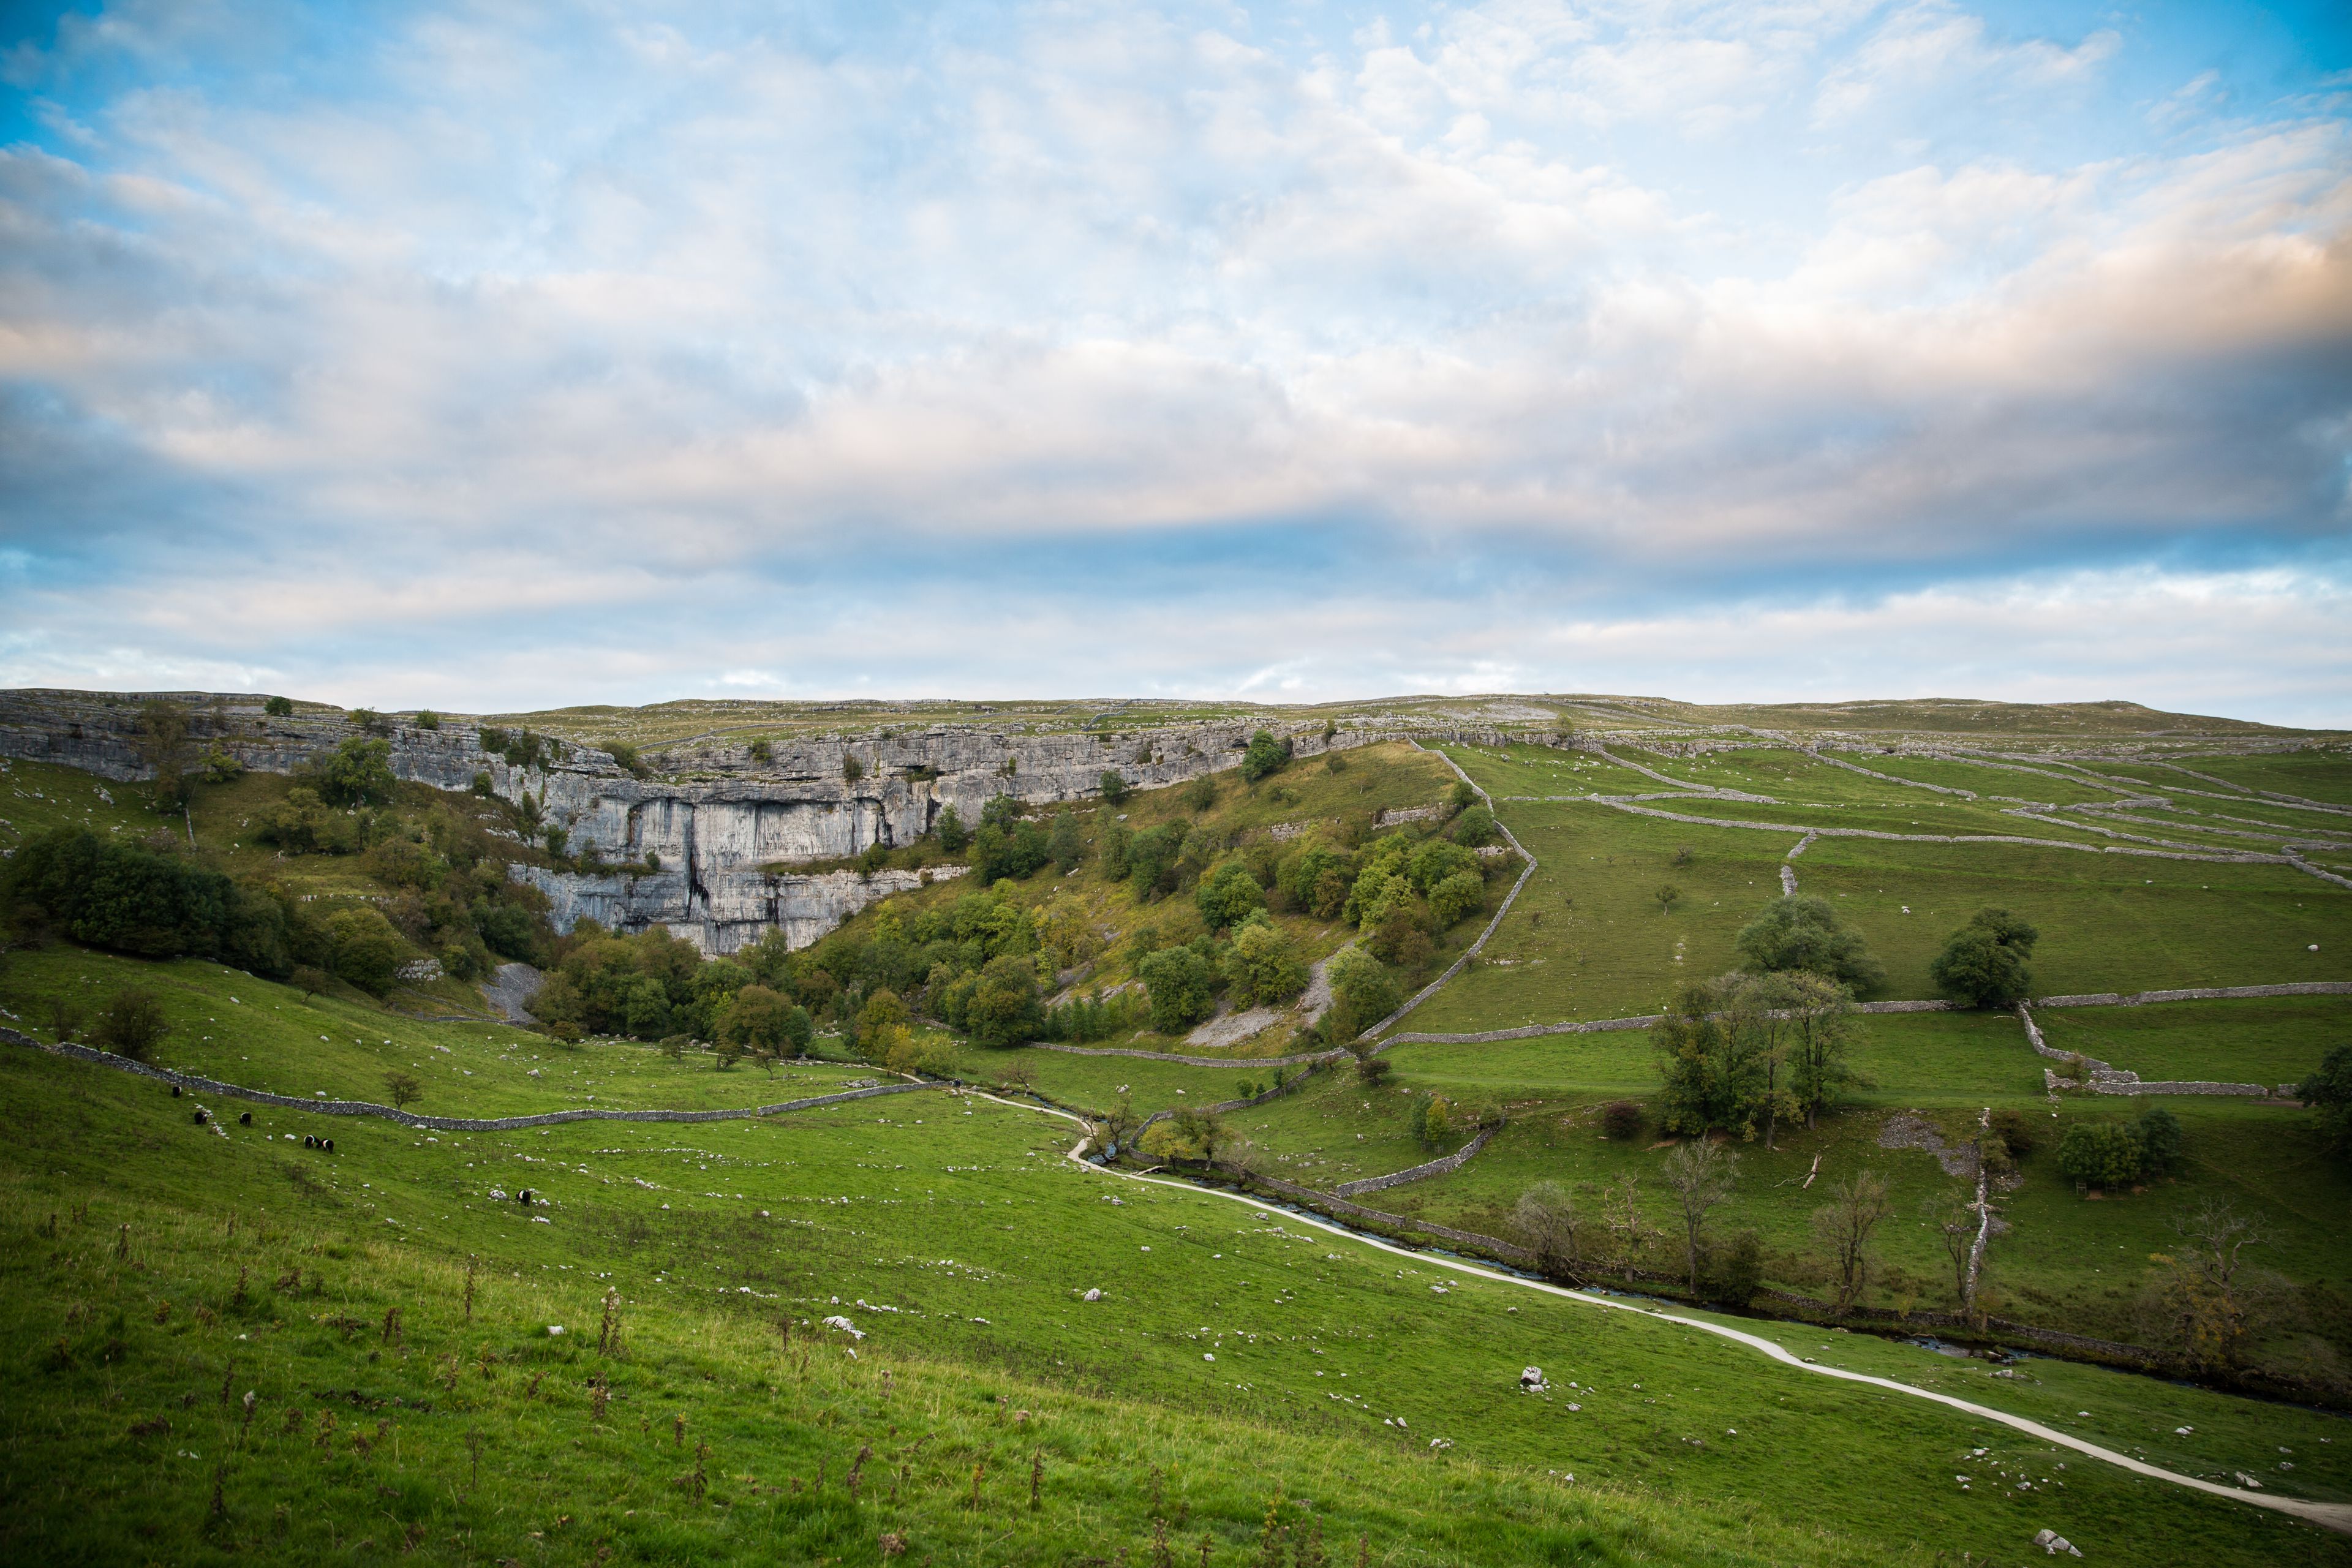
175,1091
245,1119
309,1142
523,1197
328,1145
200,1116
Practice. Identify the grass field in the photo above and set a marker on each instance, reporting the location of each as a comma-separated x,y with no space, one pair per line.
2274,1040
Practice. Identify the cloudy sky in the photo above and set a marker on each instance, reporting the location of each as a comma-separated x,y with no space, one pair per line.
498,354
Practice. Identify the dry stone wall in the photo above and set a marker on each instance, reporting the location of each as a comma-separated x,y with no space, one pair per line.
1440,1167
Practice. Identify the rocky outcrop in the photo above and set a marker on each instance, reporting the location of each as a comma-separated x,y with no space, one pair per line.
722,910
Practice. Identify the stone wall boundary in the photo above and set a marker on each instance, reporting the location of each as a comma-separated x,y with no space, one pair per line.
1443,1167
440,1124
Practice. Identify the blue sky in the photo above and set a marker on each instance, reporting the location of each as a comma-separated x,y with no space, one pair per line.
504,355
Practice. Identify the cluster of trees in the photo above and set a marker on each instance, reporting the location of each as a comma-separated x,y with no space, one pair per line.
2117,1153
151,902
1739,1052
655,986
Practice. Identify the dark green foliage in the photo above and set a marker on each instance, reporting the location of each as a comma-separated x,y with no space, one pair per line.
1734,1270
1200,794
2016,1131
953,834
521,748
1363,991
1151,859
2328,1091
1065,844
278,707
1266,754
763,1023
1092,1018
1115,787
427,720
1433,860
649,985
1456,898
1007,844
1622,1119
763,752
303,825
131,1023
1984,962
1260,967
1318,878
1183,985
2159,1141
1003,1008
368,951
2102,1154
1463,797
132,899
852,769
1476,827
624,757
1227,895
1801,931
358,773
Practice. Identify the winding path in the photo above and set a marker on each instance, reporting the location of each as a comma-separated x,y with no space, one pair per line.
2331,1515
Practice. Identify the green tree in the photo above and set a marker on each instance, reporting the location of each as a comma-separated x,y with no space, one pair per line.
1228,894
763,1021
1363,991
1434,859
1065,844
1476,827
131,1023
404,1089
1456,898
1266,754
1550,1225
1983,964
1434,1121
1114,786
1182,986
1003,1008
1818,1015
367,950
358,773
2101,1154
953,835
2328,1091
2159,1141
1715,1049
1801,931
646,1011
278,707
1200,794
1260,967
1152,857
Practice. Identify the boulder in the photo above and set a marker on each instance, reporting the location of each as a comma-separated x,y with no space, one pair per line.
2051,1541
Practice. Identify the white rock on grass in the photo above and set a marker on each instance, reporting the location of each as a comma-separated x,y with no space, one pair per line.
1094,1296
2051,1541
845,1326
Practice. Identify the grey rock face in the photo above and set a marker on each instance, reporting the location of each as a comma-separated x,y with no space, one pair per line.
722,826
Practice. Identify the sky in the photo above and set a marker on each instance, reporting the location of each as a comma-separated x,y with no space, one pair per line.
499,355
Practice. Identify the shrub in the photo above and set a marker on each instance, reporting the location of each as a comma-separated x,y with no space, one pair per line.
1229,894
1064,844
1003,1006
2101,1154
1983,964
1151,859
1434,1121
1456,898
763,1021
1372,1072
2159,1141
2328,1091
1733,1271
1801,931
2016,1131
1622,1119
1433,860
131,1023
1260,967
1334,762
1266,754
278,707
1200,794
1006,845
1363,991
482,786
359,773
1476,827
403,1088
1401,937
1182,986
1114,785
110,894
427,720
624,756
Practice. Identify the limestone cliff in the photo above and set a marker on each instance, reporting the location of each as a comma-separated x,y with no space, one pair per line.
715,818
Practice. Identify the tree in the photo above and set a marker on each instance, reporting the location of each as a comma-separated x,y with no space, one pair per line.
2328,1091
1227,895
1266,754
2159,1141
1669,896
1260,967
367,950
1457,899
2208,1302
1004,1009
763,1021
404,1089
1463,797
163,748
427,720
1152,858
358,773
953,834
1064,844
1188,1135
1183,988
1549,1225
1701,1175
1434,1121
1845,1224
1007,844
1801,931
1983,964
1717,1049
1363,991
1621,1120
645,1009
1819,1026
1476,827
278,707
1114,786
1200,794
2101,1154
131,1023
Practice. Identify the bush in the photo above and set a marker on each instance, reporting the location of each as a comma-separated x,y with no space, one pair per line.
2328,1091
624,757
1266,754
427,720
2016,1131
1456,898
1374,1071
1622,1119
358,774
1801,931
1003,1008
852,769
1433,860
1734,1270
1228,895
953,834
1476,827
1151,858
763,1021
278,707
1363,991
1983,964
2159,1141
1200,794
1183,987
1434,1121
2101,1154
1260,967
1114,785
131,1023
106,893
1064,844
